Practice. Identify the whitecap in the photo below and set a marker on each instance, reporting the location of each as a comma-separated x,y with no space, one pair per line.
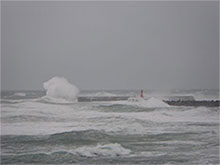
20,94
140,102
112,149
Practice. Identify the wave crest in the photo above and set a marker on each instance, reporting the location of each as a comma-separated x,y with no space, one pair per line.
60,90
112,149
149,103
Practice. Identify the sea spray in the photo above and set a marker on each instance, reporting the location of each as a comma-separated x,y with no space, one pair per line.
155,102
140,102
60,90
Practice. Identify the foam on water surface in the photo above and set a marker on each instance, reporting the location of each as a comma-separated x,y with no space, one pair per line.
155,102
140,102
112,149
20,94
104,94
143,132
42,118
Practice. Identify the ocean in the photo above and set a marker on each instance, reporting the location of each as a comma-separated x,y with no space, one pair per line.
37,131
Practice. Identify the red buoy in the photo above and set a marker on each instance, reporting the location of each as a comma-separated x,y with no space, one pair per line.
142,93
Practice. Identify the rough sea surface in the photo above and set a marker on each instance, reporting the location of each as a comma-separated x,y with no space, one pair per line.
37,131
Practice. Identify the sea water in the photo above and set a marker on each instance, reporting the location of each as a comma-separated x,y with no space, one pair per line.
35,130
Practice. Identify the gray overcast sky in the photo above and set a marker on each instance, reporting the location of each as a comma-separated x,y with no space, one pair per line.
110,45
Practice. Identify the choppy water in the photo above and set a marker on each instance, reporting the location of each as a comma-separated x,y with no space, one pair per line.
33,131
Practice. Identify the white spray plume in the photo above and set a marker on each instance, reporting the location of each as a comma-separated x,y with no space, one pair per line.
60,89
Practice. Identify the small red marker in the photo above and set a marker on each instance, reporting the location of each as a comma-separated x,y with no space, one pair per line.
142,93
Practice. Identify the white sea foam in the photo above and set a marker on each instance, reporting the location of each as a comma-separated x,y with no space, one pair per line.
60,90
34,118
103,93
140,102
112,149
154,102
99,150
20,94
99,94
12,101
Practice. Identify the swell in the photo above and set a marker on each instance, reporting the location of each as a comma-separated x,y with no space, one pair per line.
94,136
123,108
63,157
54,158
92,146
87,136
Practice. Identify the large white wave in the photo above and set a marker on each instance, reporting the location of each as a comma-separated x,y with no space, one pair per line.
60,90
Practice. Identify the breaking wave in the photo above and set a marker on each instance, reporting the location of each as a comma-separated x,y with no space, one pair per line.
154,102
108,94
20,94
150,103
112,149
59,90
69,156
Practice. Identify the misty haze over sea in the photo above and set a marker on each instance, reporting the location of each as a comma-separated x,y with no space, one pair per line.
119,82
